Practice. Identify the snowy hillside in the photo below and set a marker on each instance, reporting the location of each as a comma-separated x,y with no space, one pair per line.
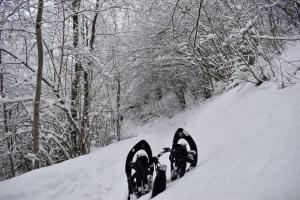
249,148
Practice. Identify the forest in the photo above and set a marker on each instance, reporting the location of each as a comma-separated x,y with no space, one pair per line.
72,72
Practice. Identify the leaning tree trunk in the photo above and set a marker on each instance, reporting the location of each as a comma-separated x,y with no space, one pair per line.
36,113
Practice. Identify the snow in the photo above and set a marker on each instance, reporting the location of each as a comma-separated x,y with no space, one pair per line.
290,60
211,36
182,142
249,148
17,99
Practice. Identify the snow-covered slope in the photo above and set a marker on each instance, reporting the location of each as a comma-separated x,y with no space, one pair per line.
249,148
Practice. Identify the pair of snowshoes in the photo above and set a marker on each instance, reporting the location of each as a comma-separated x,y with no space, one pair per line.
140,164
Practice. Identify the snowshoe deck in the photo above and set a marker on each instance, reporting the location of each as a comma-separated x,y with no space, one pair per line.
139,172
180,156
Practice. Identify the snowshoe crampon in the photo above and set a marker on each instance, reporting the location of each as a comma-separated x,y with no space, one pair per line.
181,156
139,169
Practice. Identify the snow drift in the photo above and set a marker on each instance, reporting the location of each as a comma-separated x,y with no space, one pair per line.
249,148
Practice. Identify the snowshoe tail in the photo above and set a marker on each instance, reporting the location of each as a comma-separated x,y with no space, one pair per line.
180,156
139,172
160,182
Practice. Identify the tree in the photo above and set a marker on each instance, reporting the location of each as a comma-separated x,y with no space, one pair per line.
38,91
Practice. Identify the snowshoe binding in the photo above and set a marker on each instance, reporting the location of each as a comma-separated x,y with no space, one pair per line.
140,171
180,156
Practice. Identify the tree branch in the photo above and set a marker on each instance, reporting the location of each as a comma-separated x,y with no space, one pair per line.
26,65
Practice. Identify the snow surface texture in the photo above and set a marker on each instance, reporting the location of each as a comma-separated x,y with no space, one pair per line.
249,148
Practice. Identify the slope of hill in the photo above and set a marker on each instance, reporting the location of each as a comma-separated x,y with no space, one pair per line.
249,148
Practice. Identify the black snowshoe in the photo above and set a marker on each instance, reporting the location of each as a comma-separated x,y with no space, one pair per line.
139,172
180,156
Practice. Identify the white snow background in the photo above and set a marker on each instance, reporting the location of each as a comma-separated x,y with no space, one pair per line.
249,148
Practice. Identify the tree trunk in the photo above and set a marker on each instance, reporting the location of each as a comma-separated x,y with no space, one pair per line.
75,107
179,92
85,123
36,114
75,83
119,117
93,32
84,136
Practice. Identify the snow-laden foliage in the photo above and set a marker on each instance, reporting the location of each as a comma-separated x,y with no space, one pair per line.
197,48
